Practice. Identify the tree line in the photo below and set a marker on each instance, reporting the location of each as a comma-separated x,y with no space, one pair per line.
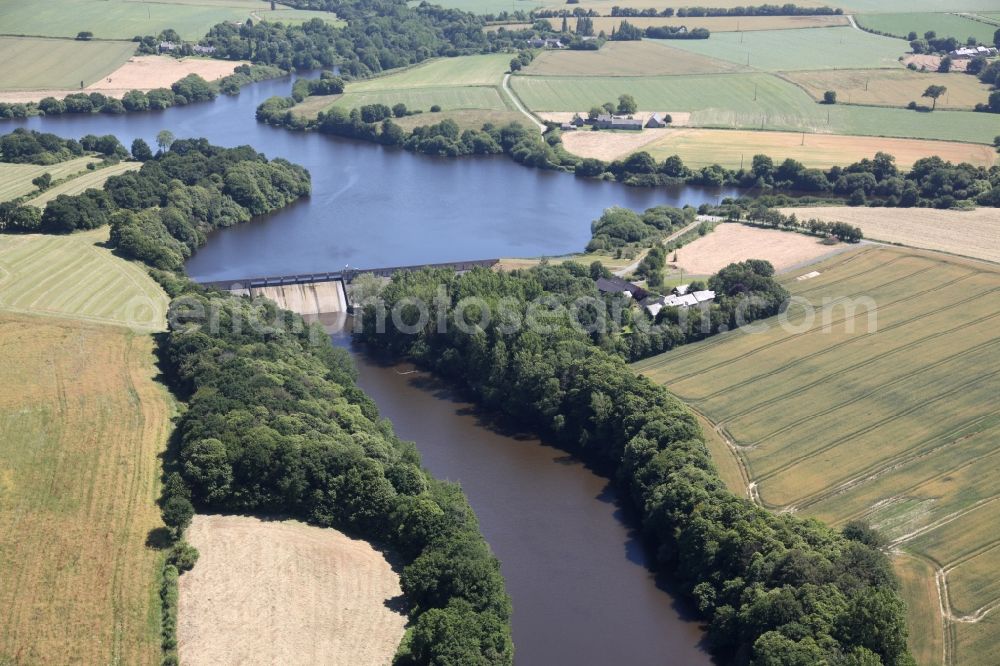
772,589
188,90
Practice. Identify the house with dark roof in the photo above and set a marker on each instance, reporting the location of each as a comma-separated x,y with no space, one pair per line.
657,120
616,285
609,121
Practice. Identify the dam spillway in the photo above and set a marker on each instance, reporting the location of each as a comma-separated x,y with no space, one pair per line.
307,299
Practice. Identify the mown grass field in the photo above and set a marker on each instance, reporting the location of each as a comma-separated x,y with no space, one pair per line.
890,417
470,83
892,87
644,58
84,181
75,276
39,64
967,233
751,101
15,179
121,19
945,25
604,6
784,50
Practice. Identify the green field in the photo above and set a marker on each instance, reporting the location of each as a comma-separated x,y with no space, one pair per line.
648,57
42,64
945,25
76,276
83,181
455,84
486,6
892,417
811,48
15,179
120,19
727,101
297,16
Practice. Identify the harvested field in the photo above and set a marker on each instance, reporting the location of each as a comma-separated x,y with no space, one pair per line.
892,87
916,577
281,592
967,233
15,179
734,242
76,276
57,64
735,149
471,119
82,423
931,63
138,73
85,181
874,397
643,58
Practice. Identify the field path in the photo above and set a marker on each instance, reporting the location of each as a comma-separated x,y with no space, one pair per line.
517,103
631,268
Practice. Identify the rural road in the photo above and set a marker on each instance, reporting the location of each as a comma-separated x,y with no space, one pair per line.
621,272
517,102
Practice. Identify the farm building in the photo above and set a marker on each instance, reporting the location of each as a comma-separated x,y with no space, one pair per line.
973,51
657,120
568,127
608,121
686,300
614,285
578,120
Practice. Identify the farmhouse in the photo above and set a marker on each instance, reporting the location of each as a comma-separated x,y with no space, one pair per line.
657,120
546,43
568,127
614,285
608,121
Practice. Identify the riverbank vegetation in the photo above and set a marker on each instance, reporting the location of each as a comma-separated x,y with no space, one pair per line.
773,589
275,424
188,90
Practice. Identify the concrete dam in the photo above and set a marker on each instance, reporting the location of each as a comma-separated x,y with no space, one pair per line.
307,299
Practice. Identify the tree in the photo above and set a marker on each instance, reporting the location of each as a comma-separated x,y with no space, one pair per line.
945,65
42,182
627,104
996,38
164,139
515,65
994,104
565,25
141,151
830,97
594,112
177,514
934,92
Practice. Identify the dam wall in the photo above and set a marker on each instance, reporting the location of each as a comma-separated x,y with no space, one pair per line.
307,299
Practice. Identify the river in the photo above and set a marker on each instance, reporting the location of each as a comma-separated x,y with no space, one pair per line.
576,572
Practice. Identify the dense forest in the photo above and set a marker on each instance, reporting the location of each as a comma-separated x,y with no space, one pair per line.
161,213
276,424
772,589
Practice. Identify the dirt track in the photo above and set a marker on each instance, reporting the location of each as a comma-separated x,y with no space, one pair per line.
281,592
